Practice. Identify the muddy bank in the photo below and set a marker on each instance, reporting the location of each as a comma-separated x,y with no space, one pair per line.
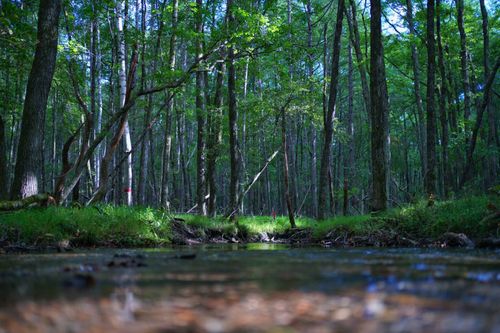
182,233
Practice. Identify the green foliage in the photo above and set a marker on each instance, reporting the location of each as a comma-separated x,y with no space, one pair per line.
123,226
91,226
459,216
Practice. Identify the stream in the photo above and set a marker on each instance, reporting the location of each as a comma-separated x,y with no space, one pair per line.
251,288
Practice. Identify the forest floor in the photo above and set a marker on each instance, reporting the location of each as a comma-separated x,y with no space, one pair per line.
469,222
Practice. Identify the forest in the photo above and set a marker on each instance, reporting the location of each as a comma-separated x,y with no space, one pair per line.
249,166
250,107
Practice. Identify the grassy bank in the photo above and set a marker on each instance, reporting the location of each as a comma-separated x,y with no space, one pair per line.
123,226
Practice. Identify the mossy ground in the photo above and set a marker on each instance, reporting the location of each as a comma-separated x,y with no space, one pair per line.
124,226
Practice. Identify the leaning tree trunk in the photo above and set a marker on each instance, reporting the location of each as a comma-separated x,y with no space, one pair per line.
27,170
330,114
379,111
475,132
430,174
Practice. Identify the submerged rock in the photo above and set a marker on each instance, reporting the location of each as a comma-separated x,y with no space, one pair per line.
451,239
80,281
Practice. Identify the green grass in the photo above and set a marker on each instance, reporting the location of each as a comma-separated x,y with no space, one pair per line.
105,225
123,226
460,216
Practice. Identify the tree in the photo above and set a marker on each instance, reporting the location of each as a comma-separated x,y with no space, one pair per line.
443,93
200,116
284,147
122,83
233,120
4,194
430,174
27,171
416,79
167,147
330,114
463,66
492,166
379,111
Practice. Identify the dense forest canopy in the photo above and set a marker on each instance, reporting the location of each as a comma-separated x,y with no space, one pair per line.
311,107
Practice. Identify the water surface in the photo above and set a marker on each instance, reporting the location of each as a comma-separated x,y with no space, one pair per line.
254,287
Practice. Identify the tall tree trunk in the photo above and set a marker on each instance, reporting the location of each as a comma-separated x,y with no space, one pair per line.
200,117
314,167
167,147
430,174
349,157
463,65
145,165
215,138
122,82
379,112
443,93
4,195
27,170
422,144
356,43
492,160
93,84
330,115
244,133
233,121
291,211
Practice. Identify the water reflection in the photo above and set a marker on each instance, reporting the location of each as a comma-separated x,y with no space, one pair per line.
234,288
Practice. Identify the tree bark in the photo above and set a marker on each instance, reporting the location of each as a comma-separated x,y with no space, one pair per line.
330,115
122,83
463,66
492,169
349,156
443,93
379,112
314,139
233,120
200,116
27,170
291,211
422,135
215,137
4,194
167,147
355,41
430,174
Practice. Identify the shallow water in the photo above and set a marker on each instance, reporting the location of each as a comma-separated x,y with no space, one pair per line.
254,287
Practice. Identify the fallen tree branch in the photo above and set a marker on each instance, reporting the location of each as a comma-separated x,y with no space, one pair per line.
37,199
254,180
